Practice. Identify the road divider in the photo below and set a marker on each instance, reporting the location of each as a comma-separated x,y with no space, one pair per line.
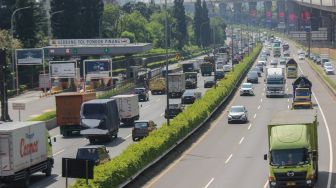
139,156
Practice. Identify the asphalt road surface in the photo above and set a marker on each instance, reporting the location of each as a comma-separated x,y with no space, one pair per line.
231,155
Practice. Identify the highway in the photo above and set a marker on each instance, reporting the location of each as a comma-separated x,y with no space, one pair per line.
231,155
67,147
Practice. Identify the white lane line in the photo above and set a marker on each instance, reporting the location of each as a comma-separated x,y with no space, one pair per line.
162,114
57,153
127,136
227,160
329,139
249,127
260,100
258,107
146,107
264,89
207,185
287,100
255,115
241,140
157,100
288,106
266,184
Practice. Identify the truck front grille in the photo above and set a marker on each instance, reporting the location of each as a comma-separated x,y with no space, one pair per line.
290,176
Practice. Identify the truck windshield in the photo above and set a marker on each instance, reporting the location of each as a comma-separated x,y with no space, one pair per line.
274,81
87,154
302,93
93,109
289,157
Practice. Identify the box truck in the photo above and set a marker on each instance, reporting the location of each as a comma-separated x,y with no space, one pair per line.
293,149
176,84
25,149
68,107
128,108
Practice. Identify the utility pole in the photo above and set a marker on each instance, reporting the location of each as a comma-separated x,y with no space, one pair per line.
166,46
3,87
232,49
214,54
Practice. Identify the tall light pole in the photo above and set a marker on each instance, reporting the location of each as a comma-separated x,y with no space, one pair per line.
49,24
166,46
12,49
232,48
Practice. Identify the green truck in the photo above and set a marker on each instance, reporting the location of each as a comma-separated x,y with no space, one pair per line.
276,51
293,149
206,68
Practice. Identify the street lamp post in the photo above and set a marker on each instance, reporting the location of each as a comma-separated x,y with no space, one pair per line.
232,49
49,24
166,46
12,49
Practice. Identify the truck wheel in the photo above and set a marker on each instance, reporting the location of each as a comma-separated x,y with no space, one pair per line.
48,170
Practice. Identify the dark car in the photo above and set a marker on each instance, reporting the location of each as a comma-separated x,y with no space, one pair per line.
189,97
142,128
174,110
317,60
142,93
96,153
209,83
257,69
252,77
260,66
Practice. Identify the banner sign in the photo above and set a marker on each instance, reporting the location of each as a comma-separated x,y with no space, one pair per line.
88,42
98,68
62,69
32,56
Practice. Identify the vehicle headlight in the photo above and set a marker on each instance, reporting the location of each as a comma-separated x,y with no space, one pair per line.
273,183
309,181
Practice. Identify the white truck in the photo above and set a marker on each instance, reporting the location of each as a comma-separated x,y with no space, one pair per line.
176,84
128,107
275,81
25,149
324,58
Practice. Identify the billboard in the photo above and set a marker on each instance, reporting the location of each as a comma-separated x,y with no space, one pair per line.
98,68
62,69
32,56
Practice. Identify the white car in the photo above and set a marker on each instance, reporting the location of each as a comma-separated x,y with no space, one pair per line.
246,89
262,62
328,68
301,57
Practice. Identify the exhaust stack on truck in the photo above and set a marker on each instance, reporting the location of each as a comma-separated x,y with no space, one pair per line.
293,149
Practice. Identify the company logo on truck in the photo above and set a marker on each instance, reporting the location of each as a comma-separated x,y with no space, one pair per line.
28,148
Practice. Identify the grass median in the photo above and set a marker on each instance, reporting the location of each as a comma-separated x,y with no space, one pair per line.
138,155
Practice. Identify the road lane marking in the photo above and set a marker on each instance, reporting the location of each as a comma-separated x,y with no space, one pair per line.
162,114
207,185
127,136
287,100
329,139
255,115
241,140
249,127
288,106
57,153
227,160
261,100
266,184
258,107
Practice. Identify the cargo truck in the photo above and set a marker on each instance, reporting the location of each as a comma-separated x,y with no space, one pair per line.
25,148
275,82
293,149
188,66
176,84
191,80
100,118
128,108
276,51
68,107
291,69
302,93
157,85
206,68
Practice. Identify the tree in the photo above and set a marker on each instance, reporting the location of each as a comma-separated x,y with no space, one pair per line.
144,9
110,20
6,9
219,26
91,18
206,40
129,35
197,22
136,23
181,25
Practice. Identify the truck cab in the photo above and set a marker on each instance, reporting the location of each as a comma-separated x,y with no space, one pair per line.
302,93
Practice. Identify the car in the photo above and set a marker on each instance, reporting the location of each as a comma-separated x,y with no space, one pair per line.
260,66
301,57
301,52
227,68
237,114
317,60
282,61
257,69
246,89
209,82
174,109
252,77
263,62
286,54
96,153
142,128
142,93
274,62
328,68
189,96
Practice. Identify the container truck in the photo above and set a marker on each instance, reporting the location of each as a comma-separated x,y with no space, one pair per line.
100,118
275,82
206,68
157,85
128,108
68,107
25,148
188,66
302,93
176,84
291,69
293,149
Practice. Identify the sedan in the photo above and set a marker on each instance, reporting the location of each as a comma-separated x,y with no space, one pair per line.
301,57
328,68
237,114
260,66
257,69
252,77
209,83
246,89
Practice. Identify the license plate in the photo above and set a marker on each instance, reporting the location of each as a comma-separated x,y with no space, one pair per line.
291,184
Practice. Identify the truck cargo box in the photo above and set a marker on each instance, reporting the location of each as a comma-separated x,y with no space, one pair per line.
128,107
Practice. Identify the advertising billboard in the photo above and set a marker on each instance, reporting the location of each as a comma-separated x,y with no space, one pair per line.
32,56
62,69
98,68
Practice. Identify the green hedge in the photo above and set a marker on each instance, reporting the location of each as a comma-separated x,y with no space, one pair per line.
138,155
45,116
116,91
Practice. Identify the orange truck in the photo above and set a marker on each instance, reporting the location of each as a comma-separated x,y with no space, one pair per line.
68,107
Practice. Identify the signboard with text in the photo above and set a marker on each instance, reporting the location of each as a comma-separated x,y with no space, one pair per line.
32,56
88,42
98,68
62,69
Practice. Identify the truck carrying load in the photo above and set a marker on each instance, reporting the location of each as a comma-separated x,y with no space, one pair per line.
100,117
128,107
207,68
292,68
293,149
302,93
191,80
157,85
176,84
24,150
68,107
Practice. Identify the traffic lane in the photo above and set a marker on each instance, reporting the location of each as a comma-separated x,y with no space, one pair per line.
220,133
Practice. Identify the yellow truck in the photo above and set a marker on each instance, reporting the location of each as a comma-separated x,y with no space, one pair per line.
157,85
291,69
302,93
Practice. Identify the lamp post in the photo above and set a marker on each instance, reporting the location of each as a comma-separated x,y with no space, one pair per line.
232,49
166,46
49,24
14,66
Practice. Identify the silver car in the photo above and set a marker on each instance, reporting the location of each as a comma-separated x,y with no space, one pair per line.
246,89
237,114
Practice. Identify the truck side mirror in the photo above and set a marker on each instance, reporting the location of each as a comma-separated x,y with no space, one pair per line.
265,157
